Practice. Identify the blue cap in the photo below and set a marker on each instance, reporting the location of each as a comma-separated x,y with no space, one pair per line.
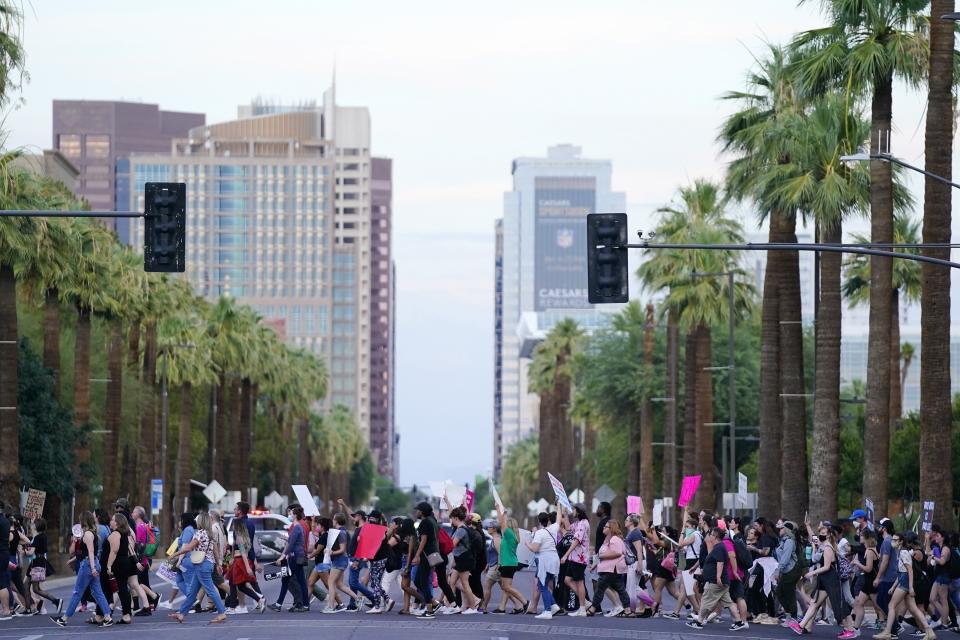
859,513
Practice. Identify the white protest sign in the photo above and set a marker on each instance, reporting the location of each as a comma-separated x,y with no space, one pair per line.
302,492
524,555
657,513
436,488
455,493
35,501
496,496
559,491
742,490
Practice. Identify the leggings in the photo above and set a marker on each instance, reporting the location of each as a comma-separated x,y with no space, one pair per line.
244,588
122,590
376,581
476,582
830,582
441,570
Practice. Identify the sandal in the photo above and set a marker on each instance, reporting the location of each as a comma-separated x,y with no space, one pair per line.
176,616
219,619
626,614
591,611
499,611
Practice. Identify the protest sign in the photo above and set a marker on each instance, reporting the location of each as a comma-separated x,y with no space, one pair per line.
456,493
657,513
496,496
634,504
371,537
559,491
928,515
302,492
687,490
868,505
35,502
524,555
468,500
742,495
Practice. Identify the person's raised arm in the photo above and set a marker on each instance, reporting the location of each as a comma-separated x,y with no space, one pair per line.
501,518
344,508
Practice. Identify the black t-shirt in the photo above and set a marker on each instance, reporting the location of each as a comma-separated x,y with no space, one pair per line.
5,545
767,541
478,545
599,537
718,555
428,530
354,540
39,544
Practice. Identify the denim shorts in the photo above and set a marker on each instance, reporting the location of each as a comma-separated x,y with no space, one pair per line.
903,581
322,567
942,579
340,562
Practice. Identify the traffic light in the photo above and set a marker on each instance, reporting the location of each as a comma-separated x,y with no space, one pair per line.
606,265
165,229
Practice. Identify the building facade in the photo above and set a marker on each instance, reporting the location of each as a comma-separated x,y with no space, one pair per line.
498,348
544,271
94,134
279,217
52,164
383,437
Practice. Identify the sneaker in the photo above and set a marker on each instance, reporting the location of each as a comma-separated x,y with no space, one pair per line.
931,635
795,627
391,603
230,611
374,610
739,625
242,609
107,622
342,608
469,612
647,613
448,611
428,614
60,621
262,605
714,618
301,609
328,610
822,622
694,624
546,615
919,634
276,606
417,611
785,621
847,634
579,613
670,615
613,613
883,635
554,609
165,605
143,612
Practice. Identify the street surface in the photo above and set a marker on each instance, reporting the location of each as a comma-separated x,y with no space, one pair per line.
387,626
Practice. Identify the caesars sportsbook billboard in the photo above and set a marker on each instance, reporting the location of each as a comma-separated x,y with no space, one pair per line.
560,211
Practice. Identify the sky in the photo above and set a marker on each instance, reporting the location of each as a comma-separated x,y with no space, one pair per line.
455,93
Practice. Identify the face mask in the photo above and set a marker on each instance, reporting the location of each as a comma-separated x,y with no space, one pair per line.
822,538
856,524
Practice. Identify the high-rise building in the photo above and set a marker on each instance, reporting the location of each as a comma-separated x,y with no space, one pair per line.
94,134
52,164
498,347
382,355
279,217
544,277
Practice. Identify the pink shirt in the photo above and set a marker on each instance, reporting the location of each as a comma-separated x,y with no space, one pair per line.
728,566
581,533
612,544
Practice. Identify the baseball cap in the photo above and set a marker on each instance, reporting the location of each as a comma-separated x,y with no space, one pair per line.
476,517
424,508
858,513
375,514
359,513
122,503
884,520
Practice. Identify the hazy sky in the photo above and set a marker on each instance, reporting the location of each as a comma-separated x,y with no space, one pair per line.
455,93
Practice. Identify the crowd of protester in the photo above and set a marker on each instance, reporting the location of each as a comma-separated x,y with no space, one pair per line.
716,569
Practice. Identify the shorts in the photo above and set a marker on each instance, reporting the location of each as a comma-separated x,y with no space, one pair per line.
941,579
4,573
340,562
218,578
866,585
507,572
575,571
736,590
493,575
323,567
463,564
903,581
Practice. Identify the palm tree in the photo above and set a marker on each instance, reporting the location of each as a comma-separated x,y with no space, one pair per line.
907,353
815,181
700,303
936,479
906,288
549,376
755,135
521,473
224,319
868,44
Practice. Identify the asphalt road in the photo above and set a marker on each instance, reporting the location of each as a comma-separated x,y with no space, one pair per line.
378,627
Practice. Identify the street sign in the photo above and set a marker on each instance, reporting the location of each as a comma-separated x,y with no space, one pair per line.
542,505
604,493
533,508
214,491
156,495
274,501
576,495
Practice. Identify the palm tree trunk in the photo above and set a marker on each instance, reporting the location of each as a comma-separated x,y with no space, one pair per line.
149,441
561,393
635,427
690,405
283,473
825,465
876,437
111,450
896,393
9,425
81,408
133,345
182,463
706,461
236,434
769,453
794,494
221,447
303,451
241,468
670,453
51,337
646,418
936,479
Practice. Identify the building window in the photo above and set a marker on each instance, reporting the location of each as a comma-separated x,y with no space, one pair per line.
98,146
97,184
97,170
69,145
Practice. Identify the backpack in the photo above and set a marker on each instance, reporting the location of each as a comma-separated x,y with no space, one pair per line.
844,568
150,548
953,565
444,541
744,559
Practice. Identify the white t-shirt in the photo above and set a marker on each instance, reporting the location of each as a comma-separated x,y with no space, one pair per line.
547,539
904,560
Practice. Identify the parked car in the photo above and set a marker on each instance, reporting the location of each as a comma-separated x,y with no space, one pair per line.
270,531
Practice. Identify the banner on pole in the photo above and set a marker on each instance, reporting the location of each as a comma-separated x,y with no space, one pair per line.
687,490
468,500
559,491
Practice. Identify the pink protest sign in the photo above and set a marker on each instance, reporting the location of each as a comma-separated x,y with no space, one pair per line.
687,490
371,535
634,504
468,500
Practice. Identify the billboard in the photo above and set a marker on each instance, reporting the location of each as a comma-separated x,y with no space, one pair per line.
561,205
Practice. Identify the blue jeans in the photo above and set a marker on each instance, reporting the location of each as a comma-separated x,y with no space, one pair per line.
955,593
546,594
85,579
184,576
354,581
883,596
202,574
423,580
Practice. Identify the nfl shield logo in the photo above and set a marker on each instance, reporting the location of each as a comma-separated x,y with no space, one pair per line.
564,238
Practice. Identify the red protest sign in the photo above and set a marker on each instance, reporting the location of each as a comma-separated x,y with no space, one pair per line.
371,536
